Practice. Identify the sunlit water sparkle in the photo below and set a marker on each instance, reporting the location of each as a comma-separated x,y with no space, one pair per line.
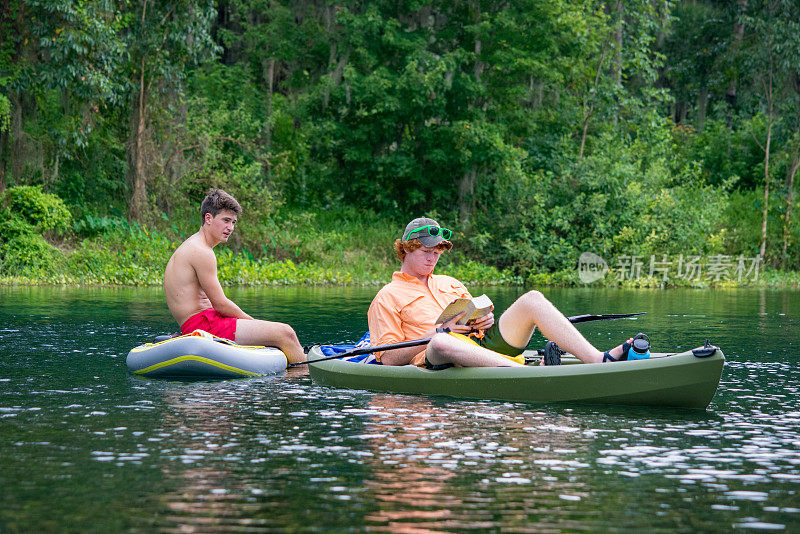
88,447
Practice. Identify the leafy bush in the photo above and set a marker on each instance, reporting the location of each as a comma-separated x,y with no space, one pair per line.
122,256
630,196
12,227
40,209
472,272
23,250
5,113
91,226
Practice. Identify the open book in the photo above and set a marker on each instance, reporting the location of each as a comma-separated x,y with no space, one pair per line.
475,307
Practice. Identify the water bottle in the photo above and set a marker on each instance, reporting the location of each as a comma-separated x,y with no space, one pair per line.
640,347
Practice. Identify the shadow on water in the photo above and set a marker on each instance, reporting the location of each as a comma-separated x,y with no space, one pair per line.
88,447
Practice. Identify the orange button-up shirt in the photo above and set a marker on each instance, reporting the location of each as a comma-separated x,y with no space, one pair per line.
406,309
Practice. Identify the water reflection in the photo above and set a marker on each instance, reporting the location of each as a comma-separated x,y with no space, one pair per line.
438,467
213,454
402,434
90,447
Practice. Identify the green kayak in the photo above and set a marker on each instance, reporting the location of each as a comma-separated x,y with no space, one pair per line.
686,380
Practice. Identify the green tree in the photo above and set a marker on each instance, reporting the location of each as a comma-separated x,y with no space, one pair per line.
162,39
696,49
432,99
61,51
772,34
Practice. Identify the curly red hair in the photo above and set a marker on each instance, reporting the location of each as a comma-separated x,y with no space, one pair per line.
402,248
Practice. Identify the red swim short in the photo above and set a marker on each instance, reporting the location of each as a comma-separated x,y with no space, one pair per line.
212,322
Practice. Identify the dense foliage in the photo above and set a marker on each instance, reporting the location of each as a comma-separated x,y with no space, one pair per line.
536,129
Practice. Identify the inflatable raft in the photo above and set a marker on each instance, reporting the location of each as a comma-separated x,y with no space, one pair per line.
202,355
686,379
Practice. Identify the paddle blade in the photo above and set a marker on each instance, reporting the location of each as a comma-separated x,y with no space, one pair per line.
606,317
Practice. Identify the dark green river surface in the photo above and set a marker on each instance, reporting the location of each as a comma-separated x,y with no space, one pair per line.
87,447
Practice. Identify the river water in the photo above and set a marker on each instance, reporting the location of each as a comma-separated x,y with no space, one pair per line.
87,447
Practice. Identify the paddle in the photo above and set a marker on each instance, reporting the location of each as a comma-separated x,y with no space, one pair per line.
417,342
607,317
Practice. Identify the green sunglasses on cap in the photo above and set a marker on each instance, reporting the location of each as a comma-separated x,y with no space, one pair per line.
433,230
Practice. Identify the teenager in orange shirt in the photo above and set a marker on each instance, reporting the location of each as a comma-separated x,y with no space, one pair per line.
408,307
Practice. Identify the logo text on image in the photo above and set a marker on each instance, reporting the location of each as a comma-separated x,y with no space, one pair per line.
591,267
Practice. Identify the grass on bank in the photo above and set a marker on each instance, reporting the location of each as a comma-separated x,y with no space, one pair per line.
40,244
309,249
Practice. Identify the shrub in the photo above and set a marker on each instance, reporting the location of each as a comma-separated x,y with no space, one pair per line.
40,209
630,196
91,226
122,256
27,253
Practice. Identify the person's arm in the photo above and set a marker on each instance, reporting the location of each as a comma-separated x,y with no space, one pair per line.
205,265
385,327
405,355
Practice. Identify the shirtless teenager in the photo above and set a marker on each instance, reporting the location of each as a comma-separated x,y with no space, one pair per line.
195,296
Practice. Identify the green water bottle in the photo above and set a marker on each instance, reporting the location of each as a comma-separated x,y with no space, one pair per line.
640,347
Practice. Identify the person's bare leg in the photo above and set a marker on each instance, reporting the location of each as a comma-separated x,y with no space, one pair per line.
533,310
270,334
444,348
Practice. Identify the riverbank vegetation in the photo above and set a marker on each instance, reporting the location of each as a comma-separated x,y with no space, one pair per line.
536,130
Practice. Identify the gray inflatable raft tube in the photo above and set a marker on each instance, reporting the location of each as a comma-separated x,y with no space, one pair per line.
201,355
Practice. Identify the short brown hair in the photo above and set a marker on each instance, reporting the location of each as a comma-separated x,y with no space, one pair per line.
402,248
217,200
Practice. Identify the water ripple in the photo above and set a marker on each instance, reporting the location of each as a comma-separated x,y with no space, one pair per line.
82,437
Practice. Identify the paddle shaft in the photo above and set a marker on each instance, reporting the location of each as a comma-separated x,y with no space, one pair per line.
417,342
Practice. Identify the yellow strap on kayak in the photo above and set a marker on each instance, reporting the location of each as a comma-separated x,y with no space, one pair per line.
520,359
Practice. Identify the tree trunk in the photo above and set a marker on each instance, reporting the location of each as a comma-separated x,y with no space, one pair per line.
269,77
738,35
331,58
618,42
136,145
617,68
54,176
5,151
588,107
702,108
790,174
466,186
136,154
587,115
479,66
765,212
680,111
17,144
335,72
766,167
466,190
